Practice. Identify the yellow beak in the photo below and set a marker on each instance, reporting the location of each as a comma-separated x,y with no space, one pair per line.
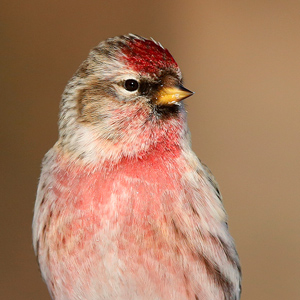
171,95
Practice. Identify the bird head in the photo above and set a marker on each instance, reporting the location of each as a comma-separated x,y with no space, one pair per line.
124,97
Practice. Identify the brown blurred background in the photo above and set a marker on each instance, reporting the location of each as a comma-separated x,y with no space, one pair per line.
242,58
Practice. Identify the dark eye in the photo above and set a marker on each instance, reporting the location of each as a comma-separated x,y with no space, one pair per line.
131,85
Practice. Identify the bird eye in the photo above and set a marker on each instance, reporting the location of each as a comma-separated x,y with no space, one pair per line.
131,85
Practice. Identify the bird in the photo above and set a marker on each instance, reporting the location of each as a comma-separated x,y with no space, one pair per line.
124,208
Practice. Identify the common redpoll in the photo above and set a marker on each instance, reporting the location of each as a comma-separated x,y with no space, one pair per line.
124,208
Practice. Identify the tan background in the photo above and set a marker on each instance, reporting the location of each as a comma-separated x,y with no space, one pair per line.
242,58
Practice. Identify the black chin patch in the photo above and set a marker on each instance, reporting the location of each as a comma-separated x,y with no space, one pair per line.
166,111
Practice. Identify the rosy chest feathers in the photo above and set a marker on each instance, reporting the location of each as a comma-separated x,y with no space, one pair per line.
131,201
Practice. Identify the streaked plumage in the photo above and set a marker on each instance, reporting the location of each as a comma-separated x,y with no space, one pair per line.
124,208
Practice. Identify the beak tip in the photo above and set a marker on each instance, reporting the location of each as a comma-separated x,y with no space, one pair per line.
186,91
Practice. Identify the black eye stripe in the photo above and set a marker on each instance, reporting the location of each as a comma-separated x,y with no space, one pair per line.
147,87
131,85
